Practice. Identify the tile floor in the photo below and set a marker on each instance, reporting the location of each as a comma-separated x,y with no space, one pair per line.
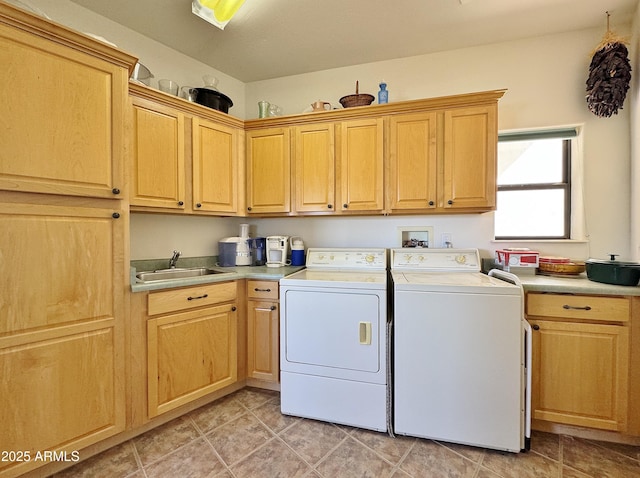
245,435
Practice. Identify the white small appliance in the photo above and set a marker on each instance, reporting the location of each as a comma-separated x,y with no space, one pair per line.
277,249
235,251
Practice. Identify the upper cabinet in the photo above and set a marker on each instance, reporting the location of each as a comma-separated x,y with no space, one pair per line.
412,162
469,162
426,156
443,161
185,158
362,165
216,183
63,110
268,171
158,169
314,168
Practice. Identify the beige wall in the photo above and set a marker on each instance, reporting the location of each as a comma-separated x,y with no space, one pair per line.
634,102
545,78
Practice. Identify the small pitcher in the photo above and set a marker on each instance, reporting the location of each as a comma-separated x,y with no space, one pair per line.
321,106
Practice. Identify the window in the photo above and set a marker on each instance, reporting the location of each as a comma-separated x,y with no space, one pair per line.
534,185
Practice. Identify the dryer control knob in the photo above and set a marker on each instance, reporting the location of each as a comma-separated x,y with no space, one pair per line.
461,259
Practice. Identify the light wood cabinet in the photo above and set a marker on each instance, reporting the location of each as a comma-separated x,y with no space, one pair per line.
263,331
77,151
443,161
215,167
469,163
158,169
412,162
580,359
361,165
191,344
62,328
431,156
185,157
63,237
315,168
268,171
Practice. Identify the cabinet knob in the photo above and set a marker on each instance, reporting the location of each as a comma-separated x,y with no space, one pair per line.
431,203
535,327
115,215
329,206
198,205
249,208
450,202
234,308
180,203
115,191
346,206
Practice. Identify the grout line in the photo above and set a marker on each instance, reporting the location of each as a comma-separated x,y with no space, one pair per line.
324,458
404,457
136,455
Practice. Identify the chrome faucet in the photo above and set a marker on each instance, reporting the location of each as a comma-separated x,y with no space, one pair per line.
174,259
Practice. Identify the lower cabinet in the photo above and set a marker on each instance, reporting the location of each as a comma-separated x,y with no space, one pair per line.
263,328
62,327
580,359
191,344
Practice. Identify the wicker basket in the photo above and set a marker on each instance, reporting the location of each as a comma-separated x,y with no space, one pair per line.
362,99
563,268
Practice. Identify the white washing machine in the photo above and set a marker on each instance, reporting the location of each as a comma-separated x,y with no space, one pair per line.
333,338
462,351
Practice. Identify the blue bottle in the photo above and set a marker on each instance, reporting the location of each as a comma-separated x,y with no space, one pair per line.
383,94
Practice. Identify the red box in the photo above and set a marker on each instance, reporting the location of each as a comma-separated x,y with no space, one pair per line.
511,258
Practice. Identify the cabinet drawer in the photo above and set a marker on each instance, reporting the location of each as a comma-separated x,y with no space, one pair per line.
262,289
607,309
191,297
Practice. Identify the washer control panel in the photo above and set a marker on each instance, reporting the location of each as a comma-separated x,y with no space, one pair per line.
436,260
329,258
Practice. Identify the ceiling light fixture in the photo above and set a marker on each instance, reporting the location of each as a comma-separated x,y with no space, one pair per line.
216,12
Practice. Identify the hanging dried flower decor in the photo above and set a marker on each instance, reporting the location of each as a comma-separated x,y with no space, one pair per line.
609,75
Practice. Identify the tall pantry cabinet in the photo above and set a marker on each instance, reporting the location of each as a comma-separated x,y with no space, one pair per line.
63,224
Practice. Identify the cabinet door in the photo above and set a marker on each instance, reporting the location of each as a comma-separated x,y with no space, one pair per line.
268,171
158,156
62,327
62,125
215,167
361,165
412,162
315,168
580,374
263,340
190,354
470,148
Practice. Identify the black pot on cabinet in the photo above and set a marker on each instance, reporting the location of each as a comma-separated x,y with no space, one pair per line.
613,272
213,99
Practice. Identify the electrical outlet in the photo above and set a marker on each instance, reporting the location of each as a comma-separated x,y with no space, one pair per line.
446,240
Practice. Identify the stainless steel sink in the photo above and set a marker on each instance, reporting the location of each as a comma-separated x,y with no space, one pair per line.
171,274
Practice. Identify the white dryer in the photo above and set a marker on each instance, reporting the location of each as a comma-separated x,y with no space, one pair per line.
333,338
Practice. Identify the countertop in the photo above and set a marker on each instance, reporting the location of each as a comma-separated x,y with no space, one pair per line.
229,273
575,285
